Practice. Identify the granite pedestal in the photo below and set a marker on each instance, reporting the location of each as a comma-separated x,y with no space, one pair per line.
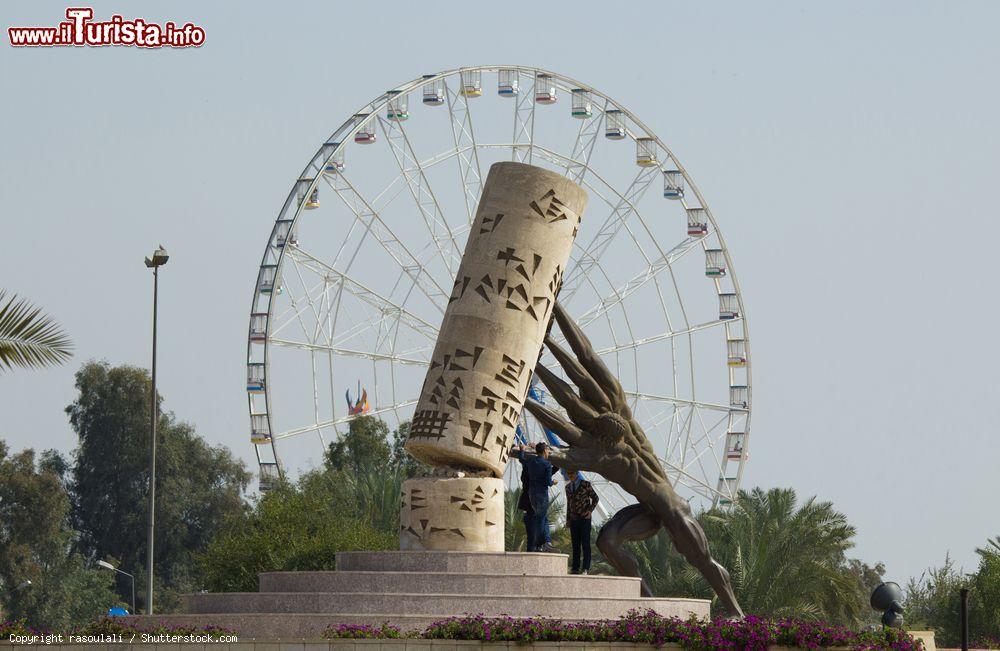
411,589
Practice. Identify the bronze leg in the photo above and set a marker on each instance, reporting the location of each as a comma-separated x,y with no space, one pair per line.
632,523
690,540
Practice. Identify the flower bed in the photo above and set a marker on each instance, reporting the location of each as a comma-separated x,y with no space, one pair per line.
648,627
11,627
363,632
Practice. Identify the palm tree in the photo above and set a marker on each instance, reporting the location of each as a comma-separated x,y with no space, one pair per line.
788,559
513,522
785,559
514,536
28,338
378,496
991,550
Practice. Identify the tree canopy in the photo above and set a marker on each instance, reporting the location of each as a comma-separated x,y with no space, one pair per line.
289,528
351,503
35,540
198,486
933,600
364,447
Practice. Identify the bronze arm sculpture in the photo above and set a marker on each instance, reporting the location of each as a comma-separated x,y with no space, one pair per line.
604,438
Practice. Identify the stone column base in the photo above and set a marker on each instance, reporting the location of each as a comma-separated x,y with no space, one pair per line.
452,514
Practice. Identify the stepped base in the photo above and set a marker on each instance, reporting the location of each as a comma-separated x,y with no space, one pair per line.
503,563
593,606
412,589
429,583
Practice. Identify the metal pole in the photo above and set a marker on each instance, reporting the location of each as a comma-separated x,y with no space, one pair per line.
133,589
964,615
152,461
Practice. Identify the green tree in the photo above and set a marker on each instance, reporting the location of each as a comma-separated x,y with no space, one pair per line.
364,447
198,486
514,535
28,338
351,503
368,471
369,496
985,588
34,546
933,600
786,559
867,577
401,459
289,528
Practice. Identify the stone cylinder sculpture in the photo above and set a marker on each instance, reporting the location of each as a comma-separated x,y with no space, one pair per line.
490,339
495,322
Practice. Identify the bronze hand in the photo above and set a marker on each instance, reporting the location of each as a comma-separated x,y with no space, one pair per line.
604,438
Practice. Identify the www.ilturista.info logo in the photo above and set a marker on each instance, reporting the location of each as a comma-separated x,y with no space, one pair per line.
80,31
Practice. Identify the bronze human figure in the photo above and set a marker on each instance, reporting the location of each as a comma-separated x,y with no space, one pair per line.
604,438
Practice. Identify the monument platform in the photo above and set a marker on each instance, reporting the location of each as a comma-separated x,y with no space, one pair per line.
411,589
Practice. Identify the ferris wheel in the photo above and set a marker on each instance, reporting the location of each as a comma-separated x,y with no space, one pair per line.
359,265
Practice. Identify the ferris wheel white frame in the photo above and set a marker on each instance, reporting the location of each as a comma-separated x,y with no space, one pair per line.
466,150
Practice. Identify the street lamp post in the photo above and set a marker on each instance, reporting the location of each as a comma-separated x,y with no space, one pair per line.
108,566
20,586
159,259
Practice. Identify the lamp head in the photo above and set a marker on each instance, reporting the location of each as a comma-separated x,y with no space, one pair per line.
106,565
159,258
885,595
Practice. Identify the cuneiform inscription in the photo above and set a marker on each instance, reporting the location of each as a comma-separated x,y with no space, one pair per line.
490,223
503,399
513,287
458,290
458,360
549,207
476,503
414,500
426,529
429,423
429,514
444,376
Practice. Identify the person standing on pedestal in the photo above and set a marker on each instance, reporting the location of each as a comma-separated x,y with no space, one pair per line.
581,500
524,504
539,472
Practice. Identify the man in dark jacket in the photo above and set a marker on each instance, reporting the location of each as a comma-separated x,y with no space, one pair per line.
581,499
539,474
524,504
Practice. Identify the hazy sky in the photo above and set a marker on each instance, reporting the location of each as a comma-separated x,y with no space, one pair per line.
847,149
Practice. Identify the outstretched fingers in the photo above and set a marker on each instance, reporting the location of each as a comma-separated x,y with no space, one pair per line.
588,358
579,412
550,420
590,390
